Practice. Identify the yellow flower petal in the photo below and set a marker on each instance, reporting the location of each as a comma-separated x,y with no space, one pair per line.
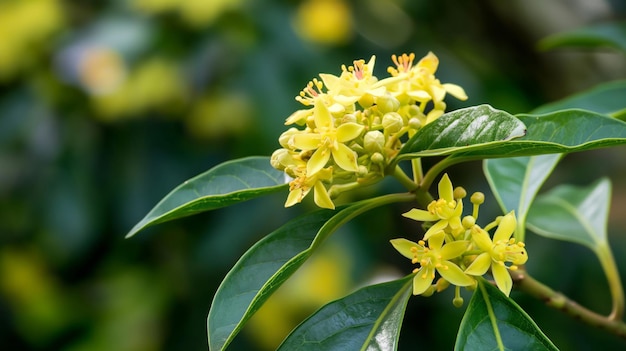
349,131
480,265
433,115
438,92
331,81
428,63
322,116
345,158
423,280
321,198
299,117
294,197
455,91
435,242
317,161
445,188
419,95
502,278
453,249
481,238
452,273
420,215
505,228
435,229
404,247
305,141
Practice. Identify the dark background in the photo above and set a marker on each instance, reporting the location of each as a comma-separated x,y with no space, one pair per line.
107,106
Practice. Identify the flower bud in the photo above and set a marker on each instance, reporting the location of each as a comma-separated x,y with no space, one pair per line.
367,100
377,158
415,123
413,110
284,138
468,222
392,122
459,192
387,103
477,198
374,141
281,159
457,301
362,171
349,118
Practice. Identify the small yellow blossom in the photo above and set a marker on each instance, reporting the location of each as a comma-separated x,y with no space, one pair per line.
302,182
356,83
446,210
434,257
327,140
418,83
300,187
498,252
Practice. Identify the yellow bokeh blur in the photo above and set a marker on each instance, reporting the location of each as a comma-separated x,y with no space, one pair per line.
29,287
220,115
24,26
197,13
327,22
155,85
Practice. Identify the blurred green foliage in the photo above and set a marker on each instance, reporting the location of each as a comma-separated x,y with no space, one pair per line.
106,106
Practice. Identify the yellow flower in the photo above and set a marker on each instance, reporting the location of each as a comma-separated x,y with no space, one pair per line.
354,83
302,185
327,140
446,210
434,257
418,83
496,253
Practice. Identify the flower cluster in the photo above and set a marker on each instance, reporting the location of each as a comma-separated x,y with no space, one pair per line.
458,248
355,124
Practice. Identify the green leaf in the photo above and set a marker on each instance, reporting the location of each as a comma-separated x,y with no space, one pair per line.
612,35
498,136
368,319
580,215
267,264
575,214
462,130
515,182
607,98
493,321
224,185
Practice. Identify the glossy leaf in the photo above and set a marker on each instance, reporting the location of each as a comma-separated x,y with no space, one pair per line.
493,321
557,132
368,319
267,264
575,214
515,182
612,35
224,185
463,130
607,98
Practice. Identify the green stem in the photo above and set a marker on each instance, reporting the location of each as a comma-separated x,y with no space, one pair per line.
418,173
615,284
524,282
404,179
439,167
